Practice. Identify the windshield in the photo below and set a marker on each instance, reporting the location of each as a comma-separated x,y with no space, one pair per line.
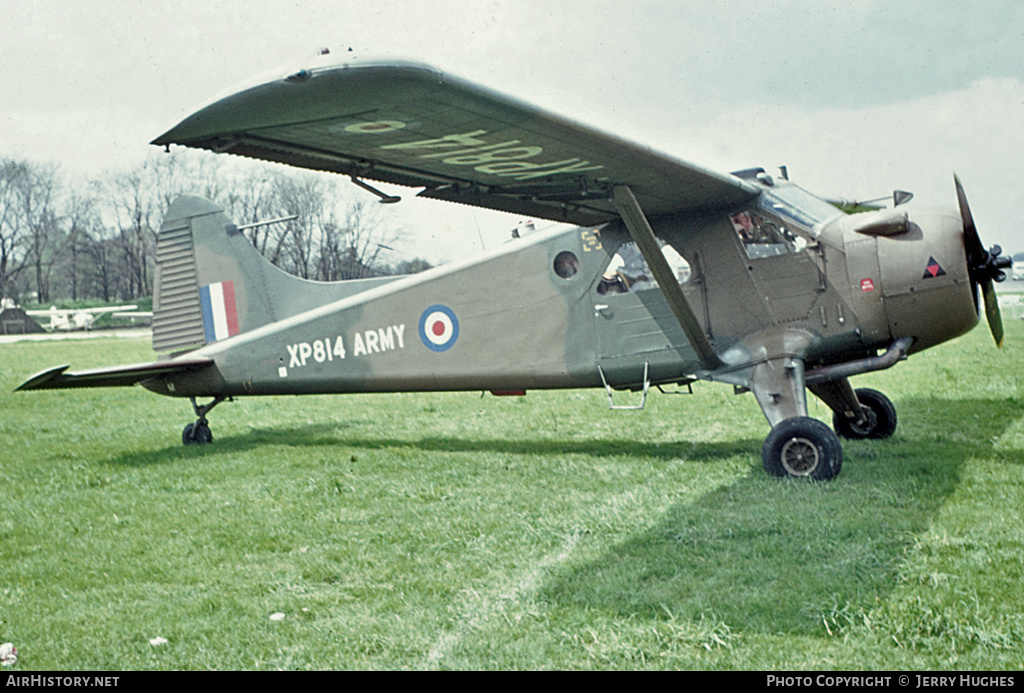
796,204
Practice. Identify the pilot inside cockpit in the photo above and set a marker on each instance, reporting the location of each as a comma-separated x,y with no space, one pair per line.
762,237
749,228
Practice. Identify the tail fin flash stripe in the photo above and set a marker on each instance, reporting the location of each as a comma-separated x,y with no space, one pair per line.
208,325
220,315
230,311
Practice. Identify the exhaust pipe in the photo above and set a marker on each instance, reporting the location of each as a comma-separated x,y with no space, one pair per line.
896,352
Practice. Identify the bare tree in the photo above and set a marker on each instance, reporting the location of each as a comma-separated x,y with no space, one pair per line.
38,191
248,198
80,220
12,231
413,266
133,204
131,210
335,236
304,196
105,274
364,239
30,234
169,175
102,237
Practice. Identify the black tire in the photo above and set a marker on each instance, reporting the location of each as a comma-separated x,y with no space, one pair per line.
802,447
881,417
196,434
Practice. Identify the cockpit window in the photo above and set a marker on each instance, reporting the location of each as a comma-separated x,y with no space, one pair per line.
764,236
792,203
628,271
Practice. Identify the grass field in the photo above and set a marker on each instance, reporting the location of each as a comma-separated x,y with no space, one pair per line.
459,531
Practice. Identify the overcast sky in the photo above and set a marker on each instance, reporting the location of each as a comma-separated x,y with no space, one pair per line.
856,98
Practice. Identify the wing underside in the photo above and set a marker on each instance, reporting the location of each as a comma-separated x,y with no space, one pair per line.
412,125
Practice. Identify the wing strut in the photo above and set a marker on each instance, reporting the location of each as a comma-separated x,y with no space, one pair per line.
643,235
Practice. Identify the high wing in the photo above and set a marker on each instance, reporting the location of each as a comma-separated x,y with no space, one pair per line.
411,124
105,309
84,311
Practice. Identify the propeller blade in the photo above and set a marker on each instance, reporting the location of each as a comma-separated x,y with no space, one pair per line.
976,253
995,318
983,266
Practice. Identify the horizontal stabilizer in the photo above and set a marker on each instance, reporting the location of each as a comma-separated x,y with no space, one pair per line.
115,376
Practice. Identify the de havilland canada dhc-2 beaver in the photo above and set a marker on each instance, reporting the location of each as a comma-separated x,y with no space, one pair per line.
671,273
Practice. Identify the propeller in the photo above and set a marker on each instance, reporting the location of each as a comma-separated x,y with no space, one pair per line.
983,266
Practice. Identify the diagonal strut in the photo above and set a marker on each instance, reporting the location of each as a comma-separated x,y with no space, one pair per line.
643,235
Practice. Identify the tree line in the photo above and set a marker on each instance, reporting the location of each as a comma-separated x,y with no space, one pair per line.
65,239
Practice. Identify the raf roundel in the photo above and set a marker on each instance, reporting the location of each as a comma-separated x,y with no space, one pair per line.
373,127
439,328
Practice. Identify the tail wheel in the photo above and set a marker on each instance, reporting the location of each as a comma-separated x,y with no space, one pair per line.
881,417
802,447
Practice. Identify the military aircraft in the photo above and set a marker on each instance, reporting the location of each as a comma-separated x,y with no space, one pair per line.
777,292
67,319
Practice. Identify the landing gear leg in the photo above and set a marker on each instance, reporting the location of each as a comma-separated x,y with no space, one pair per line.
198,433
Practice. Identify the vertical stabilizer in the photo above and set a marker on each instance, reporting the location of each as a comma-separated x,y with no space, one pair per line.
211,283
208,284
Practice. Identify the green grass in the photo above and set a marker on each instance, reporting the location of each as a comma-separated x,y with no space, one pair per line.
454,531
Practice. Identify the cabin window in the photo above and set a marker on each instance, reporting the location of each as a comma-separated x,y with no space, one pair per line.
566,264
628,271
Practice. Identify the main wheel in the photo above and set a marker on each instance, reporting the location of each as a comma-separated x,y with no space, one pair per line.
196,434
881,417
802,447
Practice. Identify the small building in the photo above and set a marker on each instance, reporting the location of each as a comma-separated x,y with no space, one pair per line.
14,320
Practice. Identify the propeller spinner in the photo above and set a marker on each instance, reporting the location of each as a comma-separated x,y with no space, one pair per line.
983,266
